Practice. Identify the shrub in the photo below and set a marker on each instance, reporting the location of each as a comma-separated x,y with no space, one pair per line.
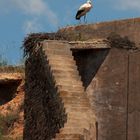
6,123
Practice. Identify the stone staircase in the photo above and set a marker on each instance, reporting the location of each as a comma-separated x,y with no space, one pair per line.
79,115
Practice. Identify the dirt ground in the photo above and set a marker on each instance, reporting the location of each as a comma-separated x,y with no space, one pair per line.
11,110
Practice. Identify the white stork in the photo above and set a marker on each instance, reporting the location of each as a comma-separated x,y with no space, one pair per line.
83,10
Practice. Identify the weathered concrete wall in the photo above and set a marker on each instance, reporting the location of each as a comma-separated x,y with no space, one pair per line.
134,97
44,111
128,27
108,94
112,82
106,85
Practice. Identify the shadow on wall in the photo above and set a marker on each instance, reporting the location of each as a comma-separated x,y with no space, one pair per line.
88,63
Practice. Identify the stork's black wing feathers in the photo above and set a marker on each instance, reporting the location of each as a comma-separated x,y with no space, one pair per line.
78,14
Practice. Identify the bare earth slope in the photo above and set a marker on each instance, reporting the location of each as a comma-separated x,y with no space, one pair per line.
11,106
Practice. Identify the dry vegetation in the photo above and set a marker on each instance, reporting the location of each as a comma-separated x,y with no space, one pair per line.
7,123
120,42
11,69
31,41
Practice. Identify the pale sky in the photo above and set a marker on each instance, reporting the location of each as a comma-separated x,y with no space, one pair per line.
20,17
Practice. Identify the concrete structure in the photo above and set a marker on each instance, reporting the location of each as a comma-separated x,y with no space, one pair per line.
84,90
129,28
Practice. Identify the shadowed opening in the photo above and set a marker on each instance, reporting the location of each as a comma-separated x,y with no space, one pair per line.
88,62
8,90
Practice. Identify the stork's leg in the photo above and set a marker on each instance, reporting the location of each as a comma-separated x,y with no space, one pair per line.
85,18
79,21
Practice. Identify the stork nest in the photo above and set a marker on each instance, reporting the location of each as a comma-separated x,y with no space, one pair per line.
34,39
121,42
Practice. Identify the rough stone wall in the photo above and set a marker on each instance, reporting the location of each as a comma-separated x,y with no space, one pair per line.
44,111
129,28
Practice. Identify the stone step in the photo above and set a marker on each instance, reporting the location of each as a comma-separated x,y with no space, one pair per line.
76,108
69,83
71,130
70,86
70,89
77,104
60,57
62,66
84,104
69,136
65,70
58,77
63,76
78,123
55,46
56,51
77,94
60,54
75,101
74,98
62,61
72,93
68,139
77,114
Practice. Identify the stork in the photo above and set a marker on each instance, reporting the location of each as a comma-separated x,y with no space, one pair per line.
82,11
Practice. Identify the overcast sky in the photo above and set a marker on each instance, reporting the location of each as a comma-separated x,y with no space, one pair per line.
20,17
